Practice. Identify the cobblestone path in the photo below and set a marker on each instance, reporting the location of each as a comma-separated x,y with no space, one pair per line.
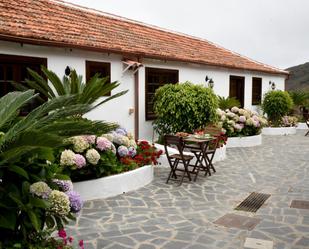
169,216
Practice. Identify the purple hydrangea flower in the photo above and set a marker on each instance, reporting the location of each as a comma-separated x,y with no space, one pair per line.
122,151
131,151
103,144
76,203
122,131
80,161
64,185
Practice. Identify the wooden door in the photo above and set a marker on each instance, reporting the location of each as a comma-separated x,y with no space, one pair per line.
237,88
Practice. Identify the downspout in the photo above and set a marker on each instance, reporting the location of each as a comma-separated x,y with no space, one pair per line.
136,105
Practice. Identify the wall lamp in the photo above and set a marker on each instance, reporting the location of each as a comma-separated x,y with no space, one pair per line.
272,85
210,82
67,71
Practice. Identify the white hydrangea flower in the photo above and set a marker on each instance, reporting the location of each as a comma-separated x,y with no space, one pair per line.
235,109
60,203
132,143
93,156
40,189
80,144
109,136
67,158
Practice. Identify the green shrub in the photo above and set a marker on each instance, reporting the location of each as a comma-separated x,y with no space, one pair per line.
276,104
184,107
228,103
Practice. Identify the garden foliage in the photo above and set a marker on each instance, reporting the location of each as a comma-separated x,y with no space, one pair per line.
228,102
87,93
91,157
184,107
34,194
276,104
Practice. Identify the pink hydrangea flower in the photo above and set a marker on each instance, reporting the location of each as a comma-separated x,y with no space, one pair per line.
80,161
103,144
90,139
242,119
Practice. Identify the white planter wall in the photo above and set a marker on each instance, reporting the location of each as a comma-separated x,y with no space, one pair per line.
250,141
277,131
302,126
114,185
118,110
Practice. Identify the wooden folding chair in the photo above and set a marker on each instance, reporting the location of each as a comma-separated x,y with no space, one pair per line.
177,159
306,117
215,132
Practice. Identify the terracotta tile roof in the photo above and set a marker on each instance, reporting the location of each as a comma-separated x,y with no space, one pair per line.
56,23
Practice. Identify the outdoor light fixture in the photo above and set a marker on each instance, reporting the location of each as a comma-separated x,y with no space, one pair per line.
67,71
209,81
272,85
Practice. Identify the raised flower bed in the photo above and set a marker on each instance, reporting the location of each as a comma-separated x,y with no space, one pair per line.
243,127
108,165
288,127
116,184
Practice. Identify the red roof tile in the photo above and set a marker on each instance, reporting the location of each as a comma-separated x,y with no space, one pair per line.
52,22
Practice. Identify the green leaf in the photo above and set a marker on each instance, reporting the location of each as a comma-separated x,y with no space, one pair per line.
50,222
8,220
20,171
40,203
62,177
12,102
16,199
25,188
34,220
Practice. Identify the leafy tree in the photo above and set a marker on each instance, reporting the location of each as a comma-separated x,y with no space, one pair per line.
276,104
184,107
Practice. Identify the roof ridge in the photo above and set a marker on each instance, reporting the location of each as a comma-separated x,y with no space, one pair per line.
106,14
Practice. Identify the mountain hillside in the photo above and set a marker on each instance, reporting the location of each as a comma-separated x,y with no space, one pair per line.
299,77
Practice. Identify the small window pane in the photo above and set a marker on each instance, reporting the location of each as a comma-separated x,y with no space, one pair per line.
102,68
155,78
256,91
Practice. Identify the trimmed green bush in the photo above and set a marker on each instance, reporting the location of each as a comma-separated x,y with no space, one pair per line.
277,104
184,107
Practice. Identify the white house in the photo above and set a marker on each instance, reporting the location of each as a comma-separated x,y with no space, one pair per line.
140,56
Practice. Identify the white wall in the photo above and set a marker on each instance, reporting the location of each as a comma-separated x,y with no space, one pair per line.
118,110
196,74
59,58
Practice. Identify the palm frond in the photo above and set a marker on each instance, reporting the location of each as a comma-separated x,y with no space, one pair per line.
11,103
54,79
111,97
42,83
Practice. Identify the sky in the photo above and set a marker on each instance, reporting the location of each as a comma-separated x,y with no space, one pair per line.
275,32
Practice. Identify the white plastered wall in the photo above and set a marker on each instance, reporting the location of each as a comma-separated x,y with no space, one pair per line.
117,110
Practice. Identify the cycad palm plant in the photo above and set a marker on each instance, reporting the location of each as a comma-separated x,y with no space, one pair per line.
228,103
88,92
25,145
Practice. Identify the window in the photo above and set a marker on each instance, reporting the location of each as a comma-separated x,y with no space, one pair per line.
256,91
155,78
237,88
102,68
14,68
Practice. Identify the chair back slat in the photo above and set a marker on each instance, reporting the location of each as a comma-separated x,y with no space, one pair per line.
173,141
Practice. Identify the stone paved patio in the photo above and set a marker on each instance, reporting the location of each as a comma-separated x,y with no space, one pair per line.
168,216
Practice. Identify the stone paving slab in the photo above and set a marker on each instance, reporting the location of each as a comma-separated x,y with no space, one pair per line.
163,215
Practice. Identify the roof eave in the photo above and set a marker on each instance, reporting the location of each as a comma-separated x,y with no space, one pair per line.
42,42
